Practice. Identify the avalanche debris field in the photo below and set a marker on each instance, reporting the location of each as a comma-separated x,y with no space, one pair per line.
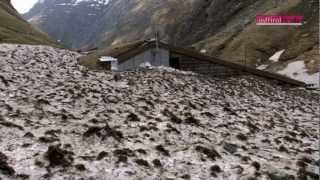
60,121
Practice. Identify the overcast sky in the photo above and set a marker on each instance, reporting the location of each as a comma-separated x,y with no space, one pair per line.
23,6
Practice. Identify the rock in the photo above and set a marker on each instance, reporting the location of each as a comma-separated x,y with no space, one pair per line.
283,149
306,160
3,157
313,175
276,174
175,119
141,151
113,133
122,159
26,145
245,158
143,128
231,148
92,131
39,163
11,125
157,163
242,137
210,153
230,111
256,165
133,117
4,81
142,162
192,121
117,77
172,117
215,168
172,129
80,167
238,169
102,155
48,139
123,154
162,150
103,132
186,176
248,177
126,152
253,127
53,132
58,157
4,166
281,177
29,135
23,176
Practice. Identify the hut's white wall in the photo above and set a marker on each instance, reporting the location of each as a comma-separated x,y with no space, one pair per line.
155,57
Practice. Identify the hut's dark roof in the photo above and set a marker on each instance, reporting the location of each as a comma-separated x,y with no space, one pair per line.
125,52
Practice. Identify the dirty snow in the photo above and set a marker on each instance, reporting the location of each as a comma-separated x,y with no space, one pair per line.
61,121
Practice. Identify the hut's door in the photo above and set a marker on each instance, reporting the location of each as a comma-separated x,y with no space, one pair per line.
175,62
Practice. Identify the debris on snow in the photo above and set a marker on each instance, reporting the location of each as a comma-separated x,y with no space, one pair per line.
61,121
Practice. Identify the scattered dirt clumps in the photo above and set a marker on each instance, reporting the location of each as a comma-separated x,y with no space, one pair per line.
58,157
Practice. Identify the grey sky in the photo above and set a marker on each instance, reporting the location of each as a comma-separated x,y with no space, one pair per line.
23,6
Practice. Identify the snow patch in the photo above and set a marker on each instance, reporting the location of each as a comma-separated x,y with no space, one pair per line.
276,56
262,67
297,70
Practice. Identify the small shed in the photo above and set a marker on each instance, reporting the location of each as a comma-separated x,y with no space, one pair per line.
108,62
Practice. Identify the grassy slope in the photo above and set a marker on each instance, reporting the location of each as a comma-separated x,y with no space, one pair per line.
13,29
261,42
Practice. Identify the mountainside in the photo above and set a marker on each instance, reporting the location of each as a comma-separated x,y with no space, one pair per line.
258,45
221,28
73,22
182,22
60,121
14,29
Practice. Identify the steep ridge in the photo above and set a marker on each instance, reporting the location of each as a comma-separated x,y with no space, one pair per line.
60,121
14,29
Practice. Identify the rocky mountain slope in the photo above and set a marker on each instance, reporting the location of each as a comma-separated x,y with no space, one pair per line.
14,29
221,28
255,45
60,121
183,22
73,22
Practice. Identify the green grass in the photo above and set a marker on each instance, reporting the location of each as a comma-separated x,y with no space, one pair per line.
13,29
